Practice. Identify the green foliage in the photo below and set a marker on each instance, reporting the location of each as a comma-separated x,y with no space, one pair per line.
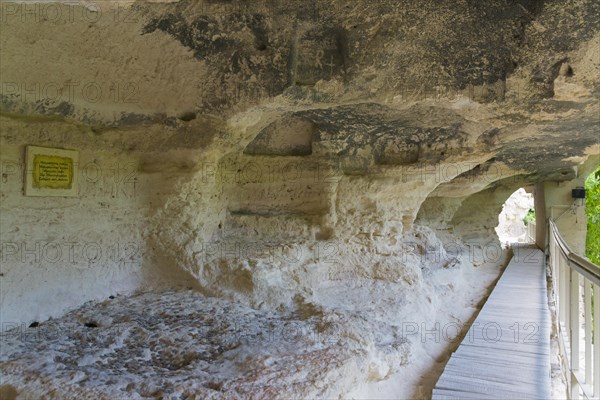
592,208
530,217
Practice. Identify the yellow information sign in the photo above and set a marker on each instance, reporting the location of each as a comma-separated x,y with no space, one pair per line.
52,172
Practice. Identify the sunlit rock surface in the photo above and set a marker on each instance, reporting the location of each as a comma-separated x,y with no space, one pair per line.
511,226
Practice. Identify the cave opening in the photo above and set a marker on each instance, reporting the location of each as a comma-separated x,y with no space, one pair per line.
514,219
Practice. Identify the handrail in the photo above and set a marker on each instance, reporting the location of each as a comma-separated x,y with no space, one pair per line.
582,264
572,272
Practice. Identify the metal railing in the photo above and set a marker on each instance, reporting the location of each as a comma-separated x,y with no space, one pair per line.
572,272
530,235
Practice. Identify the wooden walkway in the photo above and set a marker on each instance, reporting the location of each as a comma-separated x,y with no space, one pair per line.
506,353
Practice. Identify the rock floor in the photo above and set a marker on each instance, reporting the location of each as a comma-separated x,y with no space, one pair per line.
350,340
173,345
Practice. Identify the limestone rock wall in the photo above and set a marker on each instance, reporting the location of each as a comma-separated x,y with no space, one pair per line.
58,252
344,161
228,124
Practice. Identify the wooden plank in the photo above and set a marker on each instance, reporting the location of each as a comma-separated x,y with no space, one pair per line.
448,394
506,352
493,389
495,373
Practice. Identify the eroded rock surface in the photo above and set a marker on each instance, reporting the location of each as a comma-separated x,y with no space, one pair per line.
180,343
284,157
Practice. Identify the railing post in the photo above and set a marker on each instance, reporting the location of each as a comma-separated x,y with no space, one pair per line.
564,294
555,270
587,305
596,341
574,329
560,277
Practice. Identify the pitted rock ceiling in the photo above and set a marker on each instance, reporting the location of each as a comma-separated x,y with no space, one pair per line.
410,81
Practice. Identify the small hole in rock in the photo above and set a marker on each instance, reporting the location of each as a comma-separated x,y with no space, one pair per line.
187,116
34,324
565,70
91,324
218,386
570,71
111,297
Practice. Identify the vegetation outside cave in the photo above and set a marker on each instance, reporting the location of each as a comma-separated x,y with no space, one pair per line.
592,206
530,217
